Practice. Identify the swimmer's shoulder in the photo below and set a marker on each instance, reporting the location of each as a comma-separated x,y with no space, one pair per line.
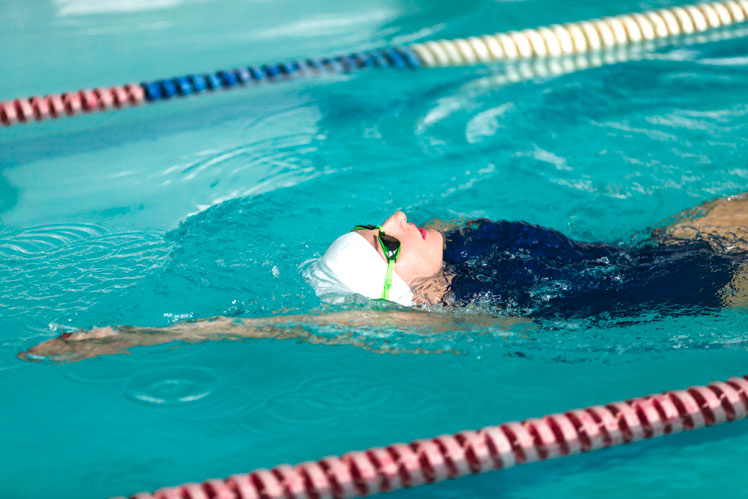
722,223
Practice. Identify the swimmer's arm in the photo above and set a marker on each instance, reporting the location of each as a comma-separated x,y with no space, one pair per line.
721,222
72,347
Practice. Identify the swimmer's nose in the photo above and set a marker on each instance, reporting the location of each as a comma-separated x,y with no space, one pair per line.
396,220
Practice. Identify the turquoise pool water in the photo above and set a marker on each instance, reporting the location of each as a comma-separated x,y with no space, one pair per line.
208,206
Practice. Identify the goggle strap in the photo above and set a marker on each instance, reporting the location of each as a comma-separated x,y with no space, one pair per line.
388,281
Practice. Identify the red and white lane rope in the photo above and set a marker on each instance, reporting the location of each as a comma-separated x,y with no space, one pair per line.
71,103
358,474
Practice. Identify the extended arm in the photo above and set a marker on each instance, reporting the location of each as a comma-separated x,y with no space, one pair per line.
72,347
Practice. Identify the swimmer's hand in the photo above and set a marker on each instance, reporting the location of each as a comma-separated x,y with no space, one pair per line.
84,344
80,345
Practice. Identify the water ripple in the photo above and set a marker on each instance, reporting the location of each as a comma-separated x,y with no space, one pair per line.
331,398
53,271
99,371
45,237
171,386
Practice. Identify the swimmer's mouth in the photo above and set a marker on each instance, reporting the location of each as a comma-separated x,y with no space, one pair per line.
422,231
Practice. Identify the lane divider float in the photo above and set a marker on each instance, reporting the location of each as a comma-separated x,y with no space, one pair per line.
37,108
358,474
585,36
540,67
551,41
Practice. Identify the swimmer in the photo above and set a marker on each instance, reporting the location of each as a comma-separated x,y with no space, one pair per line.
510,272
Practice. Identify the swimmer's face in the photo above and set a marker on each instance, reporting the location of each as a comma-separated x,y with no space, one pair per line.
420,249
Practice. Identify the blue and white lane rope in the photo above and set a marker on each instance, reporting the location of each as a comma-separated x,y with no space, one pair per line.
553,41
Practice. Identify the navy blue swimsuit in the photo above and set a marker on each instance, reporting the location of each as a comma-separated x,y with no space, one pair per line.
529,270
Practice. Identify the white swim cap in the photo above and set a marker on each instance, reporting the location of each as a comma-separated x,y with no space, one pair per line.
352,265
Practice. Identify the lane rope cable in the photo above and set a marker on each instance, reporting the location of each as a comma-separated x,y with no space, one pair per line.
551,41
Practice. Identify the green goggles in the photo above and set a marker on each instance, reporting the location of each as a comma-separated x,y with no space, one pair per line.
391,249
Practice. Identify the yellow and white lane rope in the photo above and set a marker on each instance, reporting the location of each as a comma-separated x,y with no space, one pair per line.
525,69
583,36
